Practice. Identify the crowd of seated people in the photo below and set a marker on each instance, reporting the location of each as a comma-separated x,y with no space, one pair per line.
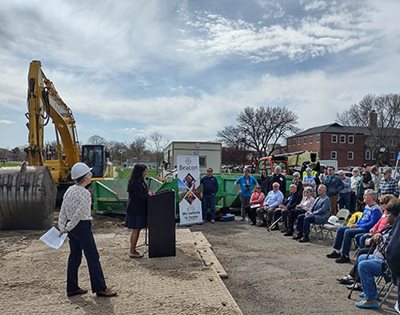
371,198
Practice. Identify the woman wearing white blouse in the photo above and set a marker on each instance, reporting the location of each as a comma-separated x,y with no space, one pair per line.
75,219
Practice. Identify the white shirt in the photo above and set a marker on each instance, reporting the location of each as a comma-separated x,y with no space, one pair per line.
76,206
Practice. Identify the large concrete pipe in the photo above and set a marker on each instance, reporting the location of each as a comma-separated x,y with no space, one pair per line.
27,198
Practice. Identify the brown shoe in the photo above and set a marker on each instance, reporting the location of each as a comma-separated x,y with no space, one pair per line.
77,292
106,293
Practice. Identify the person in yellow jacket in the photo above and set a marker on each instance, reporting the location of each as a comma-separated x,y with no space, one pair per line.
354,218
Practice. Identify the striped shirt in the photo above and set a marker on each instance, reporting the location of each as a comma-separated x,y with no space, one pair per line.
76,207
388,186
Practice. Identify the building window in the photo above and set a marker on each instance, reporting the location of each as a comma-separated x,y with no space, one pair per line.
368,154
333,155
317,138
298,141
203,161
351,139
373,157
350,155
342,139
305,140
310,139
392,155
334,138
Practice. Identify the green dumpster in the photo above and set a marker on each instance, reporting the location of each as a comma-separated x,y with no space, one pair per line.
110,196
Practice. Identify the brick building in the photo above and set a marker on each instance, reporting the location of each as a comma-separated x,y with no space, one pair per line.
346,144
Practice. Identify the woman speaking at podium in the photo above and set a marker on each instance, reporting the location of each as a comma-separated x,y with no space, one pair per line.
136,211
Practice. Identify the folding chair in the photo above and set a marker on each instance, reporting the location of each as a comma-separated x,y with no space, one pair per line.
390,286
343,215
318,229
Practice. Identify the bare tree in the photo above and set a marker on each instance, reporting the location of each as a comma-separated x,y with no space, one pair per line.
137,148
95,139
259,129
118,151
234,156
381,115
156,140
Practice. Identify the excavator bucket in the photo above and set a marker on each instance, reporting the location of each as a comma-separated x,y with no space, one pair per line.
27,198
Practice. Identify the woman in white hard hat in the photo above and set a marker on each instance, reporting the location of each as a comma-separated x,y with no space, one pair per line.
75,219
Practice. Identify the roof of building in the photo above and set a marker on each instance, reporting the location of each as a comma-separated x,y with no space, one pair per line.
333,128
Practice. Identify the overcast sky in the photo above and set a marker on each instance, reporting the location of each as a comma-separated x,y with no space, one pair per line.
186,68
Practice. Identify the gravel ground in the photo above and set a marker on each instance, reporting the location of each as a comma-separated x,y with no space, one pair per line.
273,274
268,274
32,277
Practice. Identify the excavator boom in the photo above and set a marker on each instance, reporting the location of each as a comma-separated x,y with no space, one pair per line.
28,194
44,103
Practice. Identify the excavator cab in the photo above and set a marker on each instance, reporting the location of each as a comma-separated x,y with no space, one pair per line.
94,156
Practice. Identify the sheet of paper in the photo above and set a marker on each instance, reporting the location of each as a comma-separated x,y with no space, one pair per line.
52,239
255,206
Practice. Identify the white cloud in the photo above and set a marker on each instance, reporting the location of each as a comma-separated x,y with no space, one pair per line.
315,5
6,122
335,31
272,9
144,42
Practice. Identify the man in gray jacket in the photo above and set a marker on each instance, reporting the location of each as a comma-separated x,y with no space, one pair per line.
319,214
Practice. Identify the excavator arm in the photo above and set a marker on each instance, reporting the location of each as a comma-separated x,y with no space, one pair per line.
44,104
28,193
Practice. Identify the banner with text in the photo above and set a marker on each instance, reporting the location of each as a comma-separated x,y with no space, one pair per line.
189,191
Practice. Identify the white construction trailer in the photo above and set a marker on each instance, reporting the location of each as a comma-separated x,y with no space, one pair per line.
209,154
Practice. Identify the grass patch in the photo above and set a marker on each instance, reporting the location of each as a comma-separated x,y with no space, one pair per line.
125,172
6,164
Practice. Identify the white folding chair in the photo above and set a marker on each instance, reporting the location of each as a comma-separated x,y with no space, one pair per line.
343,215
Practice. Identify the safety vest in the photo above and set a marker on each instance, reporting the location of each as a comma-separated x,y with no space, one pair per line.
313,173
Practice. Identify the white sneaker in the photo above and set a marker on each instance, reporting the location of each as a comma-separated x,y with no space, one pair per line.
212,221
396,307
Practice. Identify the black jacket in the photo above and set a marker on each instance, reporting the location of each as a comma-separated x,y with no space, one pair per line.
293,200
264,183
393,249
281,180
138,193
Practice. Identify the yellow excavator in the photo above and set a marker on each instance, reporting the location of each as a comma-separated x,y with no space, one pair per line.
28,193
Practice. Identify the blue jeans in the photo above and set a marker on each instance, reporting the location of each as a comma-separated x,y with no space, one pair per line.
361,238
303,224
343,238
367,271
81,239
208,201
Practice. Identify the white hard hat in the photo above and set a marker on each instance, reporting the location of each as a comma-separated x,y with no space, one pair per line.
333,220
79,169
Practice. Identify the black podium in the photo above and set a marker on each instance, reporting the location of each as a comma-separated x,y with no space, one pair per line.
161,222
